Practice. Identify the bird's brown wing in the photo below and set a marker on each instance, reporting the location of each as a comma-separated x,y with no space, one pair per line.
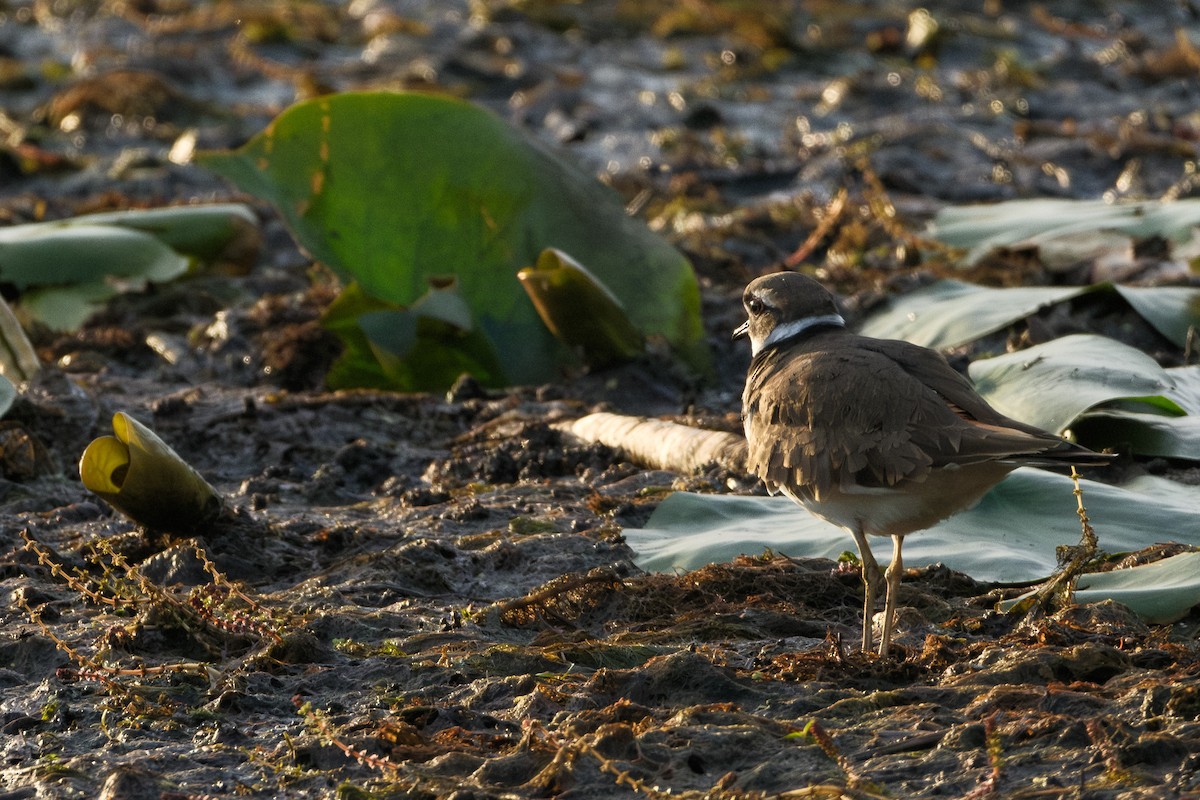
931,369
820,417
991,435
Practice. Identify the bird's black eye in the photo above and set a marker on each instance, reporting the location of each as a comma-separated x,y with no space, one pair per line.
755,306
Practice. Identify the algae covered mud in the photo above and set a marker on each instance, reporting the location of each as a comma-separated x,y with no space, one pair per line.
429,595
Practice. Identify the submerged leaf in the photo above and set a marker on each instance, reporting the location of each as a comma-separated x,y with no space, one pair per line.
430,344
357,366
390,188
580,310
65,308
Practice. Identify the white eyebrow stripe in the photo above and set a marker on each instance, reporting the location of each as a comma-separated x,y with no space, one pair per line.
797,326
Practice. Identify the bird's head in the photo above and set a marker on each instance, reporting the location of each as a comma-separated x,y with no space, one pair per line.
782,306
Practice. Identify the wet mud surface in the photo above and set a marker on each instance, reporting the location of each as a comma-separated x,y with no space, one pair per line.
429,596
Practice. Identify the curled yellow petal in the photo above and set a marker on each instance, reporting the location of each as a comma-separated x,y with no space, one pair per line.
104,465
142,477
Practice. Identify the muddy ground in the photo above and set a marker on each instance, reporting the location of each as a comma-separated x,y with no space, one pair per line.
429,596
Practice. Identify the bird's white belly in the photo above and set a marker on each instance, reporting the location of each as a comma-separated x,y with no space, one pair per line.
903,509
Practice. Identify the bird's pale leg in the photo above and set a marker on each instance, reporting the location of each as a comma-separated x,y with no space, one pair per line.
894,571
871,576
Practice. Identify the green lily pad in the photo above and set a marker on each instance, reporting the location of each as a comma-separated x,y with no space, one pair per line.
1052,384
391,188
1009,536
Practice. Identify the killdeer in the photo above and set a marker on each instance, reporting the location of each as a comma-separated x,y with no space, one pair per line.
880,437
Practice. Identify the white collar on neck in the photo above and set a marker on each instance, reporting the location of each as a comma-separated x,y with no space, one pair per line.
797,326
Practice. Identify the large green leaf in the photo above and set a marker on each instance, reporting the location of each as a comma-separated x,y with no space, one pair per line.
391,189
1051,384
1010,535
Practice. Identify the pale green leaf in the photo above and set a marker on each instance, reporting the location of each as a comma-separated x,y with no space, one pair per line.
1187,387
950,313
1161,592
59,254
1141,433
1172,310
18,360
1010,535
1040,222
8,393
65,308
1051,384
202,231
